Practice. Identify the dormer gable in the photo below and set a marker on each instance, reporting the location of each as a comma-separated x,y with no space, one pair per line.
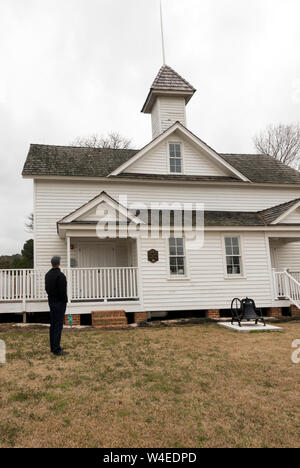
161,155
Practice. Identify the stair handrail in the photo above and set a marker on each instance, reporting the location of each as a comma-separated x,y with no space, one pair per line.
288,291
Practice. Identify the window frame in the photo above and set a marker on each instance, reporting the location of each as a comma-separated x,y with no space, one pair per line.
175,142
241,256
177,277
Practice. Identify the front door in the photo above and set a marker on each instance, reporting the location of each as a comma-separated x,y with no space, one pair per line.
96,254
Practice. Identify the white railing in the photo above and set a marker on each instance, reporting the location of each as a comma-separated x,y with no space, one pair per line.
84,284
22,285
104,283
287,286
279,284
295,274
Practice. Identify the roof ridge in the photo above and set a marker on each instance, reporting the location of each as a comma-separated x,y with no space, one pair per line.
242,154
83,147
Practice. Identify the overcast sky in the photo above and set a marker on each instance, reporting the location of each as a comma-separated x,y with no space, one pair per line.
76,67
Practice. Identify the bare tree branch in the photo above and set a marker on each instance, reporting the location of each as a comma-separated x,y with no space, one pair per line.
282,142
114,140
29,223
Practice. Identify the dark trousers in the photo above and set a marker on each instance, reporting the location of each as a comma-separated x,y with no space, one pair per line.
57,316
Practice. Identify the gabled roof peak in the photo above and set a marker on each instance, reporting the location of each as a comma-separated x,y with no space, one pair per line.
168,82
169,79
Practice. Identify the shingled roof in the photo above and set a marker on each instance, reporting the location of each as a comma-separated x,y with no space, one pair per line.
185,217
171,218
47,160
170,81
70,161
271,214
261,168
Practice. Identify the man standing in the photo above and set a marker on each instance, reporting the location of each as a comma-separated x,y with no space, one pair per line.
56,288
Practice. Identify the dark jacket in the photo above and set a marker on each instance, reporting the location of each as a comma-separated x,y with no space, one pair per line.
56,286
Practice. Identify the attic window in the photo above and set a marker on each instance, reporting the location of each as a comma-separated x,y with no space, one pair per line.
175,157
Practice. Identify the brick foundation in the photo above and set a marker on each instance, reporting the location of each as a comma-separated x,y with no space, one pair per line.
213,314
140,317
275,312
109,319
75,319
295,312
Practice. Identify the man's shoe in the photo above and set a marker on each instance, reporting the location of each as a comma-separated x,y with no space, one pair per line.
61,353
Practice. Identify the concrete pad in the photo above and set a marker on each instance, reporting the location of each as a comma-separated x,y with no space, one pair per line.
250,327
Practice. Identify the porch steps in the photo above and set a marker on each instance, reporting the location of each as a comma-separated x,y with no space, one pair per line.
109,319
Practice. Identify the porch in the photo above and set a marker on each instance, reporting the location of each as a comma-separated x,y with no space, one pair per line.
84,285
285,261
102,272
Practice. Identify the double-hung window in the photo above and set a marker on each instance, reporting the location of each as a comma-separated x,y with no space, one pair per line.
233,255
175,158
177,257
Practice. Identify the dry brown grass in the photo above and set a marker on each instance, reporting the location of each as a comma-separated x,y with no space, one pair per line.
199,386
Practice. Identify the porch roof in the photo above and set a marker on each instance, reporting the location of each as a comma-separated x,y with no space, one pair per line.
162,217
172,218
272,214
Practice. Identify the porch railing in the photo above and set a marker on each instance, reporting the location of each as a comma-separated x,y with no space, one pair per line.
287,286
104,283
84,284
295,274
22,285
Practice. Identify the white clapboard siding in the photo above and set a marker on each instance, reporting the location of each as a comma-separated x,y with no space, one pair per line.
195,161
198,163
104,211
55,199
171,109
155,120
207,286
154,162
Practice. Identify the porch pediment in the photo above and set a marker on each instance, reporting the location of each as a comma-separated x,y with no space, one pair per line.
101,209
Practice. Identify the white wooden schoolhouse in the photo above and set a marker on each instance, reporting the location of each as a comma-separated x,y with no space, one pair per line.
112,216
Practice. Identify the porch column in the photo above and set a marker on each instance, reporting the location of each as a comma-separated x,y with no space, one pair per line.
69,273
139,272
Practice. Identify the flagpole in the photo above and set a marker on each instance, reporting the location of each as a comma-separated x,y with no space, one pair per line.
162,35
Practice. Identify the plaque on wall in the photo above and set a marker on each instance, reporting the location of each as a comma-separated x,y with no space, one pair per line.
153,256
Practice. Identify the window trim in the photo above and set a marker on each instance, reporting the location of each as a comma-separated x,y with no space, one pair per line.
176,142
241,275
171,277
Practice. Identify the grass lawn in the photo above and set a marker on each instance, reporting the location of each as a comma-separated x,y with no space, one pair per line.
191,386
